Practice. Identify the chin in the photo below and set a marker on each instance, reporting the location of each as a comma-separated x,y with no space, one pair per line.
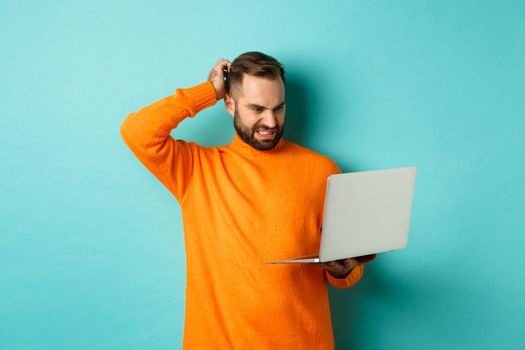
265,145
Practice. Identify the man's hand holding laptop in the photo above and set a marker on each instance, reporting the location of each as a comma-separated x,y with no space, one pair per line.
342,267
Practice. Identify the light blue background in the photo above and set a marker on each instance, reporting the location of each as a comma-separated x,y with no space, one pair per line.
91,247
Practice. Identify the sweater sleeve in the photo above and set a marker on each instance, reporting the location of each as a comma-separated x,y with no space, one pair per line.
349,281
147,134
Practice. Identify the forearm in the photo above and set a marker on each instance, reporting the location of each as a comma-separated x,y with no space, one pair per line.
146,130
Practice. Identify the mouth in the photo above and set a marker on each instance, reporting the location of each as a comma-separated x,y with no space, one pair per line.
265,134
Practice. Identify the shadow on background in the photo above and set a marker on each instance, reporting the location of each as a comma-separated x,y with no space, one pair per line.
297,109
385,298
346,307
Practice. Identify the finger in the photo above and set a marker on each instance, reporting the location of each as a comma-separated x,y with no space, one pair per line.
220,68
329,265
222,62
333,263
337,267
350,263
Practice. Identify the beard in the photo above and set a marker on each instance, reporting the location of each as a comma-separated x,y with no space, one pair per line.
247,134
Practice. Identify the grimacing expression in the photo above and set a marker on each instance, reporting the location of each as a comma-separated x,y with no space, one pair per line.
259,111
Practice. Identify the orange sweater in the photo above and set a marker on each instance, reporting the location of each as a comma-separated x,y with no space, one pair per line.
240,207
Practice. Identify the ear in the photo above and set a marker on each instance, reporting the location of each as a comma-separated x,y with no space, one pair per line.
229,104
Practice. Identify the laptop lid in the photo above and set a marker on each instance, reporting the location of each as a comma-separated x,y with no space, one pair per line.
367,212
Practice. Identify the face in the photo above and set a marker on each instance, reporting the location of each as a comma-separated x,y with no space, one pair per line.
258,112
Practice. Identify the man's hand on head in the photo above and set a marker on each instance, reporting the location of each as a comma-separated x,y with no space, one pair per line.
342,267
216,77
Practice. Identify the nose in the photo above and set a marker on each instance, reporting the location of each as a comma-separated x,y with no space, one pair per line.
269,120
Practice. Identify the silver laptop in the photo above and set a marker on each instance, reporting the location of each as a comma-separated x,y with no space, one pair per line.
365,212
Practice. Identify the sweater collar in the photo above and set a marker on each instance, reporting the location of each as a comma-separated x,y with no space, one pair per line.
238,145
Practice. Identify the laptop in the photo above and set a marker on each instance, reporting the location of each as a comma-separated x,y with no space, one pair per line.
365,212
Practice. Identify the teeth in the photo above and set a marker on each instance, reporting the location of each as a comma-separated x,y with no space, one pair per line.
265,132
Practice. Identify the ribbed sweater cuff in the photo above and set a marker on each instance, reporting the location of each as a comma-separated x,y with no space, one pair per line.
203,96
352,278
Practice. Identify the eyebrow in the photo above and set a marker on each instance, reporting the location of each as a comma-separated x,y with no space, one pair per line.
254,105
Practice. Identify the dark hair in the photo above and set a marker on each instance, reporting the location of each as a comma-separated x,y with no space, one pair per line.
253,63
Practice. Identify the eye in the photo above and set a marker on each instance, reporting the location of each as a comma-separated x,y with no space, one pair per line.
257,109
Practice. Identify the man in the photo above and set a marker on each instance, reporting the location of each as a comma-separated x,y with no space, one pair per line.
255,199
